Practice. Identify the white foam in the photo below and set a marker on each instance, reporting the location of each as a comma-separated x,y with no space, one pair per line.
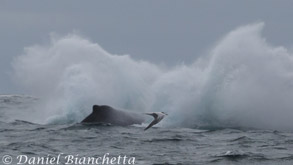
244,81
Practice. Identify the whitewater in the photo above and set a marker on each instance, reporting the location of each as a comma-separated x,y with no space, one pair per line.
242,82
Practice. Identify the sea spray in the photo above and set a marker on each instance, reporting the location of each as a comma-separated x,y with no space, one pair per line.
71,74
243,82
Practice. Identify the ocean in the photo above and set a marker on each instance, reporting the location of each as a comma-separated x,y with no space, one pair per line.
232,105
158,145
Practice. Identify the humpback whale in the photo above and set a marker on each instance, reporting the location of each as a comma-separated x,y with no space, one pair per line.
158,116
107,114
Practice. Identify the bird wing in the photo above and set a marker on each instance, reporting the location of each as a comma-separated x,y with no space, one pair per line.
151,124
152,114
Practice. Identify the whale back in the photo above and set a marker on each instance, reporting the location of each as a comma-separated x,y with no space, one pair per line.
107,114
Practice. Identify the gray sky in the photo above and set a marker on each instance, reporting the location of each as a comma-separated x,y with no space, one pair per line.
159,31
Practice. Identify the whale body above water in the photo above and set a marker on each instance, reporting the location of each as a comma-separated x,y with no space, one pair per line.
107,114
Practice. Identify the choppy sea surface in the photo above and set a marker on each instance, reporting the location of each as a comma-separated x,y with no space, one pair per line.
158,145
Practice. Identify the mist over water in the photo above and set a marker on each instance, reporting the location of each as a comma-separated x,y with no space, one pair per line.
243,82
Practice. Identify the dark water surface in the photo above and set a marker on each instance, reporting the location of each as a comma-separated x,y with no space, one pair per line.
158,145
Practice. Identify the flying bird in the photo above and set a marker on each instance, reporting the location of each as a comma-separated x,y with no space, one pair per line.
158,116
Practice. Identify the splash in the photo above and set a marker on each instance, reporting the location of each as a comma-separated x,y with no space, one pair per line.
243,82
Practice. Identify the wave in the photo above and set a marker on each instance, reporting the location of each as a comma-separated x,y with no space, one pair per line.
243,82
